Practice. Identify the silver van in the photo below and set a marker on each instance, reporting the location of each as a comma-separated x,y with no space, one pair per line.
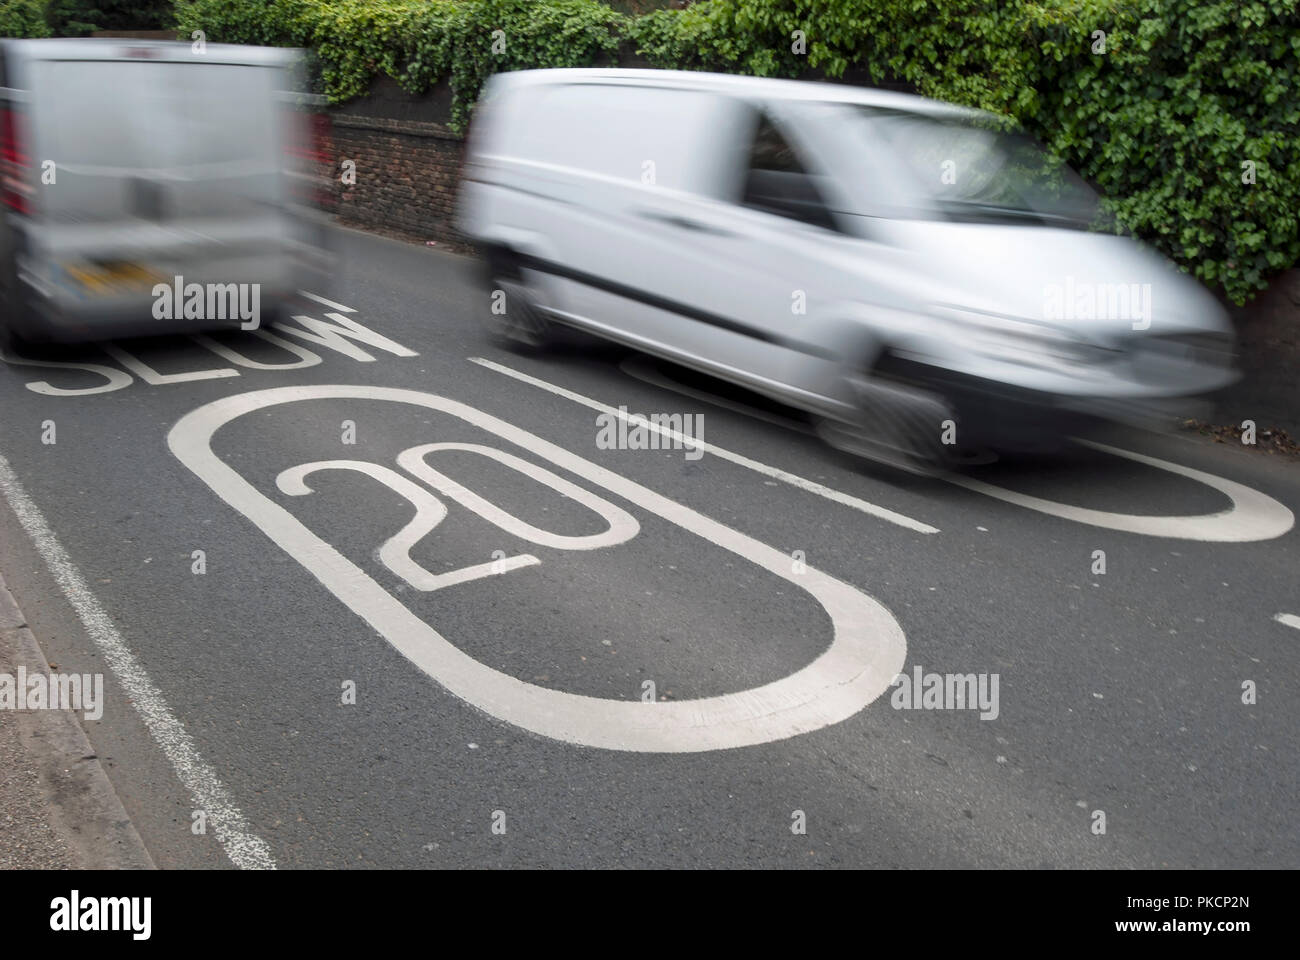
916,276
152,187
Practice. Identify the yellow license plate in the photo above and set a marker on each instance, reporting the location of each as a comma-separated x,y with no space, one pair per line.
110,278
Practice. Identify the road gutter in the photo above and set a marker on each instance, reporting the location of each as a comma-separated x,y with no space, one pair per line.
82,804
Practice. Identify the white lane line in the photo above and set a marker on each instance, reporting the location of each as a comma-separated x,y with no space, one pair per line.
244,849
329,303
881,513
1290,619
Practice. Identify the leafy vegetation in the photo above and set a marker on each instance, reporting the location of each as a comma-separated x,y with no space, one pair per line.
79,18
23,18
1182,112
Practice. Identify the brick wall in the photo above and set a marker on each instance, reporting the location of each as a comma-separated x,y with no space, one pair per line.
406,175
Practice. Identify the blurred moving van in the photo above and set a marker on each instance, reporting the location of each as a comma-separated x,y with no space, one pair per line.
152,187
919,277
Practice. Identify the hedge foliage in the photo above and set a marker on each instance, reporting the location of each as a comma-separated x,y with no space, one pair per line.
417,42
23,18
79,18
1167,114
1194,99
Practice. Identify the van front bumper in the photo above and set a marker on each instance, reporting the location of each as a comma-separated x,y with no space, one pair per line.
1009,417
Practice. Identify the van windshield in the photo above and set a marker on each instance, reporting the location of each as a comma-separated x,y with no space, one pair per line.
973,171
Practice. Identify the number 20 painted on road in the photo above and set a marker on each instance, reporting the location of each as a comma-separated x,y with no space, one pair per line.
867,651
429,511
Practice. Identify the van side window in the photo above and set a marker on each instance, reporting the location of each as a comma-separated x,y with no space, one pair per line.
778,183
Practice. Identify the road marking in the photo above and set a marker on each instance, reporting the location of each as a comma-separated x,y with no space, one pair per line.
337,336
395,553
1290,619
620,527
117,379
242,846
155,379
866,652
329,303
305,357
880,513
1252,516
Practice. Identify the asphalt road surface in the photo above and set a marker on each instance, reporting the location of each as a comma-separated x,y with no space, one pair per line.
526,650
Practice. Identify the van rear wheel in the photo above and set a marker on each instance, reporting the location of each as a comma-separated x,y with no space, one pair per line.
515,318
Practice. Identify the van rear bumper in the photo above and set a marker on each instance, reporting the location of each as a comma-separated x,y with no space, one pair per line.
55,303
53,323
53,315
56,320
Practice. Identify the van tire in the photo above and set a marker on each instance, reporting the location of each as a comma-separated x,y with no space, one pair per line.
895,425
10,341
523,322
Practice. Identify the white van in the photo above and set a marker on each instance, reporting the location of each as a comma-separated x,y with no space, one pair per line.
127,166
885,262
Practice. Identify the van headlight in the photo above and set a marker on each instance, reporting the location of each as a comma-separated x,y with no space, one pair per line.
1025,341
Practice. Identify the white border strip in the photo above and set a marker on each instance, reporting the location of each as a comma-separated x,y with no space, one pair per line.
244,849
881,513
1252,516
1290,619
866,652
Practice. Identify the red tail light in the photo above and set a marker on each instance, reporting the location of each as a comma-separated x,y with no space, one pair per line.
15,165
322,138
311,158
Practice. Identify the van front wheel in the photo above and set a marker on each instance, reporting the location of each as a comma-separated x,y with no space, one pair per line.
895,424
9,338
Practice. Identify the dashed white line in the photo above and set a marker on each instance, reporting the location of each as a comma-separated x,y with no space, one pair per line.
244,849
811,486
1290,619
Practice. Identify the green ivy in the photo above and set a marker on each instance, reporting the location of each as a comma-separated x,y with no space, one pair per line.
1162,121
1166,122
